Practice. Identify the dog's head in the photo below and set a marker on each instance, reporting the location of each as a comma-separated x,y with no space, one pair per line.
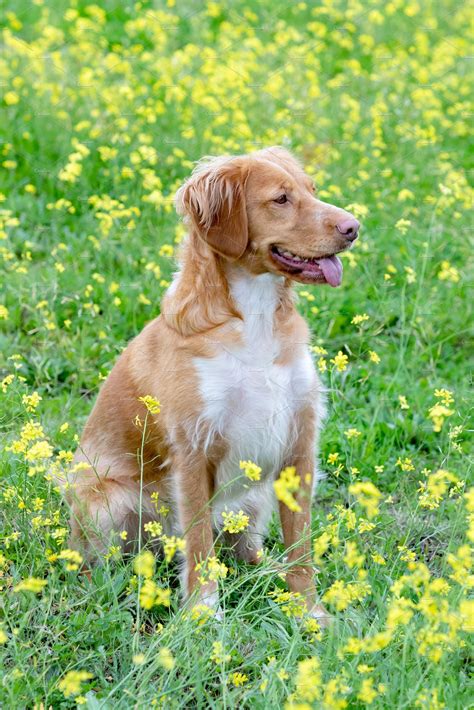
261,210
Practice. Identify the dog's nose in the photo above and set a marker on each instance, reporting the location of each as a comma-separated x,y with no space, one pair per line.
349,228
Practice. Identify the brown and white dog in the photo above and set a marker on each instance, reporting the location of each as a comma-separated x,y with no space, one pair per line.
228,360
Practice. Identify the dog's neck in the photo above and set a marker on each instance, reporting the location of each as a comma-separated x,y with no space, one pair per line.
208,291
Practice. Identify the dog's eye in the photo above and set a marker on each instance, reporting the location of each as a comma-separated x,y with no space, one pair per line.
281,200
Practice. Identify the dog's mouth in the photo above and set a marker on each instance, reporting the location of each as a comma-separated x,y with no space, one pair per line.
323,269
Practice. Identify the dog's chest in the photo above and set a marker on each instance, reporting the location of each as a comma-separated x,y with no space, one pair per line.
249,398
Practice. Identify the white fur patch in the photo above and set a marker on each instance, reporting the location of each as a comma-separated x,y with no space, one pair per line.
251,401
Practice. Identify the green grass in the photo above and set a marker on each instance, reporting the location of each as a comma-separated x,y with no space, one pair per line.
375,101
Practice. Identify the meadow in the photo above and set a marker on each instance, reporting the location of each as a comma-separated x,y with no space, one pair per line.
104,109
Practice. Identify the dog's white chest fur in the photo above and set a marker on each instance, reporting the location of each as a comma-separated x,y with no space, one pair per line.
249,399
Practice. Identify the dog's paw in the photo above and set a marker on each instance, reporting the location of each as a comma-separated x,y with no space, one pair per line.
321,614
218,614
206,604
207,612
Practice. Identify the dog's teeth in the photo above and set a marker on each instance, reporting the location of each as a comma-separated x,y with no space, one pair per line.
297,258
305,261
288,254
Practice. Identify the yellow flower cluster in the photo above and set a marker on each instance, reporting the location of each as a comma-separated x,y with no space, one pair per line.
31,584
285,486
367,495
441,410
340,361
238,679
405,464
308,684
211,570
166,659
73,169
352,433
234,522
436,624
31,401
448,272
292,604
72,557
218,655
435,487
152,404
150,594
361,318
341,595
72,682
251,470
171,545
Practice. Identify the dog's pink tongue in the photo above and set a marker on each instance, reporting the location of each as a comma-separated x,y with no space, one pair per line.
331,267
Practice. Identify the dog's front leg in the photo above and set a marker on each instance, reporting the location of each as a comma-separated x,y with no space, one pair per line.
296,525
193,490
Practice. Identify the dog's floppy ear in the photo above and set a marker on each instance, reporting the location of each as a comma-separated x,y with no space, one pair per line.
214,201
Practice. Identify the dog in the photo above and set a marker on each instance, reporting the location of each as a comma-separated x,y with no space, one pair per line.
228,360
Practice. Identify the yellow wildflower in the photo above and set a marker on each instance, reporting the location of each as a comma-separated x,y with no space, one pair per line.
367,692
152,595
172,545
320,546
166,250
73,557
31,584
367,495
340,361
154,528
71,683
218,655
438,413
291,603
403,402
341,595
144,564
402,225
251,470
352,557
165,659
151,404
378,559
322,364
448,272
238,679
358,319
308,682
287,484
352,433
434,488
6,382
212,570
405,464
234,522
428,700
11,98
